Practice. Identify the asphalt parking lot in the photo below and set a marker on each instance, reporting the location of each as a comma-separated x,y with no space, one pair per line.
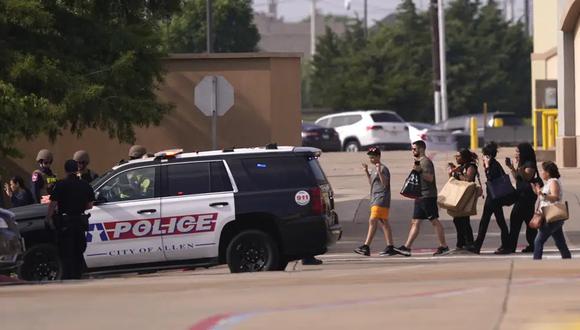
347,292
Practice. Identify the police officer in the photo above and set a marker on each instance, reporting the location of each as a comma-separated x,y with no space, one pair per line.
43,179
69,200
136,152
82,158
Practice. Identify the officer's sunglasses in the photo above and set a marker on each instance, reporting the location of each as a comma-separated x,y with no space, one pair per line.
45,162
82,163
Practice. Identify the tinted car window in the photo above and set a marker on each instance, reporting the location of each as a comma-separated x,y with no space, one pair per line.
219,180
278,173
323,122
187,179
338,121
130,185
385,117
510,120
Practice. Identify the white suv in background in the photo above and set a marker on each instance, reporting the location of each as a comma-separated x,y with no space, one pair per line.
360,130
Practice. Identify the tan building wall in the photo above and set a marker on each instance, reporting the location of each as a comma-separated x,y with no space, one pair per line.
544,58
266,109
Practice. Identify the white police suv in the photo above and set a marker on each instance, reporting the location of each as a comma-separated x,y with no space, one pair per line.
254,209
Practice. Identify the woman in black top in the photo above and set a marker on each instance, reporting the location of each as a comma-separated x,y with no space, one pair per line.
493,170
526,173
466,171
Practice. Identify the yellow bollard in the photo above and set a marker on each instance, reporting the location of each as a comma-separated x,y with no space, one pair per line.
544,131
473,132
535,128
550,138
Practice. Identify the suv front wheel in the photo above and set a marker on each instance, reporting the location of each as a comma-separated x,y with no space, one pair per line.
41,263
252,251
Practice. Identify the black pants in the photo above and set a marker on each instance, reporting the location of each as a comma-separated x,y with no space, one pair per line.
71,247
492,208
464,232
522,212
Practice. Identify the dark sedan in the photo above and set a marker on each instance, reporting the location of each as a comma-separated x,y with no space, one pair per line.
325,139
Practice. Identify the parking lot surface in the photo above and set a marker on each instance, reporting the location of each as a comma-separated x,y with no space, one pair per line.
347,292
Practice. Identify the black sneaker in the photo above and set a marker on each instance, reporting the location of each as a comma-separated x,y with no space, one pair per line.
441,251
365,250
311,261
388,251
528,249
502,251
403,250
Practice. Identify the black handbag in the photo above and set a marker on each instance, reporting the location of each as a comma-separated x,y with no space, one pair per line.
501,189
412,186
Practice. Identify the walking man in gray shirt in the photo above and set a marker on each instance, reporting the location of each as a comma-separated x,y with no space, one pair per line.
425,206
380,202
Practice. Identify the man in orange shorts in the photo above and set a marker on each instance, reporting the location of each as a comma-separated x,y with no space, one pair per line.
380,201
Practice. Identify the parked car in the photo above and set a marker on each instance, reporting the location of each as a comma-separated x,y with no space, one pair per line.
252,209
435,139
460,126
325,139
359,130
10,242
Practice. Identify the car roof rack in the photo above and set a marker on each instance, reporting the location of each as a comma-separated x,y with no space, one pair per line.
232,149
272,146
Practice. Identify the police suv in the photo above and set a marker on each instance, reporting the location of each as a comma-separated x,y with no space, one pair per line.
254,209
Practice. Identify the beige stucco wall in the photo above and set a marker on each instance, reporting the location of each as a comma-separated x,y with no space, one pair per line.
266,109
545,25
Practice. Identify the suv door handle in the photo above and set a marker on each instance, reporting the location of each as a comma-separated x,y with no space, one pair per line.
222,204
148,211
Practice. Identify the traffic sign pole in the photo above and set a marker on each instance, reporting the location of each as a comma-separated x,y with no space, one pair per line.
214,115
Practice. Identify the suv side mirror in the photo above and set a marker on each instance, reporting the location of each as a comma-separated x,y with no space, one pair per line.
99,199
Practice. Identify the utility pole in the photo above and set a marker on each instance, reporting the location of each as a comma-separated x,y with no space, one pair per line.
435,60
313,29
442,60
209,46
527,16
366,22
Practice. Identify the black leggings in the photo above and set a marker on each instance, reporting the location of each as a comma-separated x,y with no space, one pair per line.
523,211
490,208
464,232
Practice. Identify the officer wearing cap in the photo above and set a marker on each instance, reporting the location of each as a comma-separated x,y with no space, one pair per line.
69,200
82,158
43,179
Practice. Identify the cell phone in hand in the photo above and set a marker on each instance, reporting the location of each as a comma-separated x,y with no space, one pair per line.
417,163
508,161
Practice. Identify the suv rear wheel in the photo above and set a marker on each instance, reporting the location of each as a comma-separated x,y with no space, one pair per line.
252,251
41,263
352,146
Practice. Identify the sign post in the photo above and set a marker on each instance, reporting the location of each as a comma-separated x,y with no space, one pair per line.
214,96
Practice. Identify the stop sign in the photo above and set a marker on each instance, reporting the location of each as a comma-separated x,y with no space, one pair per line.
205,96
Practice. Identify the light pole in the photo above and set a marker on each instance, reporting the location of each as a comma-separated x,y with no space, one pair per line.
209,46
442,60
313,28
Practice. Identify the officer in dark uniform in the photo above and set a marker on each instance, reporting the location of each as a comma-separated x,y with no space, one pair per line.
43,179
82,158
69,200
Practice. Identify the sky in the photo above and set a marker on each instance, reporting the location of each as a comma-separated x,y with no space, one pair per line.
296,10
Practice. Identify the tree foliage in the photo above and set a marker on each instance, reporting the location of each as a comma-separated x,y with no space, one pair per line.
72,65
233,27
487,61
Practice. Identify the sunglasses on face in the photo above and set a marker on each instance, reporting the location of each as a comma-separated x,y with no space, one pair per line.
45,162
82,163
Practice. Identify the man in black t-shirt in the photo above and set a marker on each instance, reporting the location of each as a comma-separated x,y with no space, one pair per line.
69,200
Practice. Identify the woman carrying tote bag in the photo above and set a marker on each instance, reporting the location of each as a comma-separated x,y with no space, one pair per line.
493,171
549,195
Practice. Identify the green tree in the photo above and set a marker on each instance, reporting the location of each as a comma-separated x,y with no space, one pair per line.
487,61
72,65
233,27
